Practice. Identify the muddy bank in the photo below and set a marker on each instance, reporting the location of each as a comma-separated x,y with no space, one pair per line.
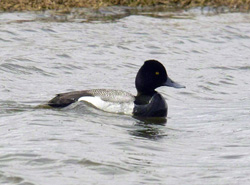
67,5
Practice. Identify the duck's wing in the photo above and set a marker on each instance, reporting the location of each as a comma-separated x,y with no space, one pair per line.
157,107
112,95
65,99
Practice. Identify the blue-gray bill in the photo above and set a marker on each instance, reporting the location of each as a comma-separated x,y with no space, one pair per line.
171,83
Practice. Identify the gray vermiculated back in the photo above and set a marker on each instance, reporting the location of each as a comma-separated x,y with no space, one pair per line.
112,95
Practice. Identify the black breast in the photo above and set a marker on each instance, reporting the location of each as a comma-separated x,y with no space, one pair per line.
157,107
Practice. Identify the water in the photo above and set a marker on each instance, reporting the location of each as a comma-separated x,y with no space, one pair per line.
205,140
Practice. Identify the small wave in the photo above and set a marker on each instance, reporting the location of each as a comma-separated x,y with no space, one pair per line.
22,69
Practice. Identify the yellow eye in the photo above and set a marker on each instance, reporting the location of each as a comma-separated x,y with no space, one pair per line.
157,73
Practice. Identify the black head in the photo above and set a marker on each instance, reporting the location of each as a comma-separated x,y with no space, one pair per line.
152,75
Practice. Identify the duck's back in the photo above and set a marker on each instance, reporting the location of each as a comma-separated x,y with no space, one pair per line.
107,95
112,95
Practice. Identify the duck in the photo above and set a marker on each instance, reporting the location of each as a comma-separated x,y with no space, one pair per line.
147,103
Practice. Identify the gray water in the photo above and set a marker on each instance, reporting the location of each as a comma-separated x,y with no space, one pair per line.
206,139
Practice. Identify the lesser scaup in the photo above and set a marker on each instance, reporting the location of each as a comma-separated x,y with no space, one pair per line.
147,102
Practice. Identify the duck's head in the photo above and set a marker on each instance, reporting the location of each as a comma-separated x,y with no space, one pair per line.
152,75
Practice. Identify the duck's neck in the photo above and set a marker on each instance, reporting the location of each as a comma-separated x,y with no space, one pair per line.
144,98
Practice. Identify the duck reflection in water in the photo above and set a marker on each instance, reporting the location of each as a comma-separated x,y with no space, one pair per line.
149,128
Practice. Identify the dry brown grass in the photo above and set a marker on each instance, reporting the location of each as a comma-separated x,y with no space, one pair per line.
21,5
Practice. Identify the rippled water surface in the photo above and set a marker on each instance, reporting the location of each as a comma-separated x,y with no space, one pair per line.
207,136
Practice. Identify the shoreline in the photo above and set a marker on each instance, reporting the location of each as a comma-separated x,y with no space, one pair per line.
68,5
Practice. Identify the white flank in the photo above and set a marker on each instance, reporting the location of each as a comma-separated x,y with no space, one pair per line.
114,107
